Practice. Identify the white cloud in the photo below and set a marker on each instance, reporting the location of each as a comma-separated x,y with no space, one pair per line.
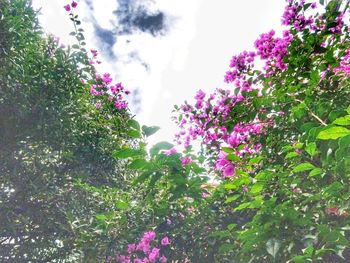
193,55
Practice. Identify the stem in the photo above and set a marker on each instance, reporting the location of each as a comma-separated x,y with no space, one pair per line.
346,6
313,114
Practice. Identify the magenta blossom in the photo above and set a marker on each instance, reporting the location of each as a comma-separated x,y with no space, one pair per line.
131,248
186,160
149,236
67,8
165,241
171,151
245,189
74,4
154,254
228,171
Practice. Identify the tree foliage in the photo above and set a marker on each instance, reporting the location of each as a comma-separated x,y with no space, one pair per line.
53,139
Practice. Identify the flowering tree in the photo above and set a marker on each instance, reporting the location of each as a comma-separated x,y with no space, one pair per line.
279,142
270,181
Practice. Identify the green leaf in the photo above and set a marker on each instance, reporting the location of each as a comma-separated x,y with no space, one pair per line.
315,172
233,157
300,259
122,205
242,206
232,198
272,246
344,142
333,133
311,149
303,167
148,131
126,153
257,188
226,247
138,164
291,155
333,188
231,226
134,124
134,134
160,146
101,217
342,120
299,145
255,160
264,175
143,177
228,150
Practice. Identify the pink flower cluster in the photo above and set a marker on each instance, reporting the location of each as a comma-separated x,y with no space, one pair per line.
103,88
208,119
268,48
213,119
101,85
240,136
73,5
344,67
339,23
294,16
186,160
143,252
240,65
273,50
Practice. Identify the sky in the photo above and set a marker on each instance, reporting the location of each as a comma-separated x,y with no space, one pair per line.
164,51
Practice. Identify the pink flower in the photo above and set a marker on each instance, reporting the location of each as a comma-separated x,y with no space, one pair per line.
165,241
296,190
245,189
186,160
106,78
171,151
228,171
163,259
94,52
74,4
149,236
98,105
168,221
205,195
154,254
131,248
332,211
67,7
298,151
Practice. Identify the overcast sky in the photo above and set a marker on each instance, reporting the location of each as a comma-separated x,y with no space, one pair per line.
165,50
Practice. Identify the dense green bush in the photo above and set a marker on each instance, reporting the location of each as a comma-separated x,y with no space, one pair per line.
53,139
